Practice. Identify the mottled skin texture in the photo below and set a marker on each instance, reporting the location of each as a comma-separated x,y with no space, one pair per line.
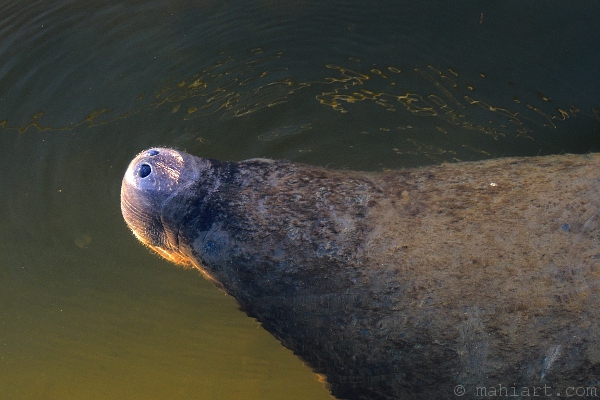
395,285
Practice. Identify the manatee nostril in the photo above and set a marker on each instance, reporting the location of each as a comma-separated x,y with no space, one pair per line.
152,152
145,170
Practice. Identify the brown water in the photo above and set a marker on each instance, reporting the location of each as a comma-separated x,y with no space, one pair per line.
87,312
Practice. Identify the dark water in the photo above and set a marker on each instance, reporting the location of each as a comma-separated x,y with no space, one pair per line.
87,312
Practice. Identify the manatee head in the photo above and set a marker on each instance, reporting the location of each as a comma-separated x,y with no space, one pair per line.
153,180
256,227
194,212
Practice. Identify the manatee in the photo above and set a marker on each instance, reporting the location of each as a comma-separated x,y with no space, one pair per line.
467,279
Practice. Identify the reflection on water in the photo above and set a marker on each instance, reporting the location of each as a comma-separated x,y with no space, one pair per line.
85,312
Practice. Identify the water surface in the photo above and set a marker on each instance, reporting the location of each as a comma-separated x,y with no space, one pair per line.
87,312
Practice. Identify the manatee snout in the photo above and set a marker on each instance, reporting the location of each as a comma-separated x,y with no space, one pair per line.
153,179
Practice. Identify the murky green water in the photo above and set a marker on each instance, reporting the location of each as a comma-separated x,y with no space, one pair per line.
87,312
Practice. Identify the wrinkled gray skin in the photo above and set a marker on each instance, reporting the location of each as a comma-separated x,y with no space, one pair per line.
397,285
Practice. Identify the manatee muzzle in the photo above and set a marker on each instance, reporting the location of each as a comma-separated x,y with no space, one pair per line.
154,177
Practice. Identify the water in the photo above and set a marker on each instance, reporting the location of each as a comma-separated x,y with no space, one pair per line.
87,312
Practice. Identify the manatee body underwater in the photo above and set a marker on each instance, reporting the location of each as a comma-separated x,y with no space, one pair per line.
424,283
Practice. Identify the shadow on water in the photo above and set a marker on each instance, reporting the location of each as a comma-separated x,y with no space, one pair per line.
88,313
